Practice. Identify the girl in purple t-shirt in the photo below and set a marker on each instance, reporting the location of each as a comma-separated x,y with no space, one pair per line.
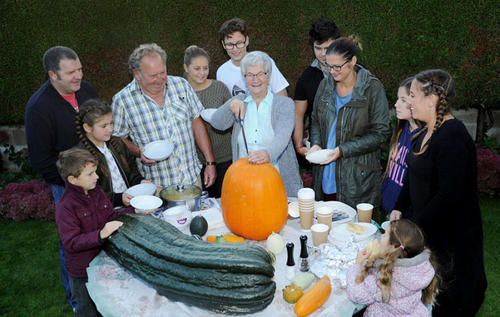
401,142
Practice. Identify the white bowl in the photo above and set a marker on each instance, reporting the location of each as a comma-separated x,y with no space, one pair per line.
319,156
293,209
340,232
178,216
146,203
158,150
207,114
385,225
141,189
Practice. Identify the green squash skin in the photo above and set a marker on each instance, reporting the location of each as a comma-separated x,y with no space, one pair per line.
198,225
223,283
158,228
162,233
192,255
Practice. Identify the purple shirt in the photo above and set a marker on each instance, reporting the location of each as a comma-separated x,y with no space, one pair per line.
80,217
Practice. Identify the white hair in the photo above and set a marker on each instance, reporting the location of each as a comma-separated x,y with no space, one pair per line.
256,58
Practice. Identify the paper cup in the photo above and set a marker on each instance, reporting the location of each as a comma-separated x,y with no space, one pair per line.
364,212
324,215
305,194
319,233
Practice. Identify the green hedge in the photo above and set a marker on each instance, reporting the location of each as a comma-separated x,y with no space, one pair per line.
399,39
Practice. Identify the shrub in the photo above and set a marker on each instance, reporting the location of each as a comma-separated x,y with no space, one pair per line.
27,200
488,171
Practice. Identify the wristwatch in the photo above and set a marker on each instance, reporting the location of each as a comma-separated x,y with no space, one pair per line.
210,163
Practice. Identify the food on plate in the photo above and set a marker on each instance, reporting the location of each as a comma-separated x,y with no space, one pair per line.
355,228
373,248
253,200
292,293
314,298
199,226
303,280
275,243
223,278
225,238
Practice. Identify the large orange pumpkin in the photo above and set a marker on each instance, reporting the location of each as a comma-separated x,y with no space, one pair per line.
253,200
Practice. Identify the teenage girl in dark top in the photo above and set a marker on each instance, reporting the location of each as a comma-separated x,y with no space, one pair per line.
117,169
441,191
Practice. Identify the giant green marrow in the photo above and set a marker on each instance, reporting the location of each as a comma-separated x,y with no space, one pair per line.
224,278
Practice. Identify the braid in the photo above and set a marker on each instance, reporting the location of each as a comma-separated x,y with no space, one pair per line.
386,270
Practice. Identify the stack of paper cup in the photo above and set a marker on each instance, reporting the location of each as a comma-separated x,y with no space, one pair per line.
306,207
324,215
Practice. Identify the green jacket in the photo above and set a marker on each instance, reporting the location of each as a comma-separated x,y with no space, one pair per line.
362,130
125,162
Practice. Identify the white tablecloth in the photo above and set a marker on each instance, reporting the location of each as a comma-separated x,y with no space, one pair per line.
116,292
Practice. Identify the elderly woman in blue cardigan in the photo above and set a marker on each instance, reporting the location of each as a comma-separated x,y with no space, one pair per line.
268,120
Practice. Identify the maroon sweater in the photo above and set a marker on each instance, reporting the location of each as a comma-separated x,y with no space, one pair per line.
80,217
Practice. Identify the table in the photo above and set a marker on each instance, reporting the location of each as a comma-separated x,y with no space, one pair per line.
116,292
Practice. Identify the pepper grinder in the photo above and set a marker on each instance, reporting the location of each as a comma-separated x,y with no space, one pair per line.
304,263
290,263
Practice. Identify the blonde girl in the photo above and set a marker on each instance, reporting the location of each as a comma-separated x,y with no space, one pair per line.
398,282
117,169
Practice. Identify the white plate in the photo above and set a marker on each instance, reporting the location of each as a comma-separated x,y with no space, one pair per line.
146,203
338,209
293,209
319,156
207,114
141,189
340,232
158,150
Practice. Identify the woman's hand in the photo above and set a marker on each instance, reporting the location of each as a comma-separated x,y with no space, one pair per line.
238,108
144,159
259,157
395,215
362,256
146,181
126,199
313,149
332,156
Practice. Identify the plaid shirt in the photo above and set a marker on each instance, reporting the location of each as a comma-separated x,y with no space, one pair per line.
138,116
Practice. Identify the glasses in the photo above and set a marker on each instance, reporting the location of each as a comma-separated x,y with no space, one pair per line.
336,68
258,75
230,46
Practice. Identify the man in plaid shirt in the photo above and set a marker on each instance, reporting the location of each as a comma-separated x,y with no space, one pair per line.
153,107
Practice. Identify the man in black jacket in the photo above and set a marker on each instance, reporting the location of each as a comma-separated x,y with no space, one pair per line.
50,121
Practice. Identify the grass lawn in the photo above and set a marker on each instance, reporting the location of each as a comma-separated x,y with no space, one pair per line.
29,266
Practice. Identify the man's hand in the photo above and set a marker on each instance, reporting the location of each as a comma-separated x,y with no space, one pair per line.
395,215
145,160
209,175
259,157
109,228
238,108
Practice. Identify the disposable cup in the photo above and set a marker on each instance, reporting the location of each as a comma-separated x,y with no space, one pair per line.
305,194
306,218
365,211
324,215
319,233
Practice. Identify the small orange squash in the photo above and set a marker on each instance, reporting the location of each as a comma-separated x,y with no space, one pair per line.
228,237
253,200
314,297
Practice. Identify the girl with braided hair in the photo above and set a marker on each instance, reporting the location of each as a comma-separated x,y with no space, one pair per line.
117,169
440,194
400,280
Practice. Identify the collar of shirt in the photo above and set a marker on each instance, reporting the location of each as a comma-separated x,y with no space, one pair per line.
316,64
268,100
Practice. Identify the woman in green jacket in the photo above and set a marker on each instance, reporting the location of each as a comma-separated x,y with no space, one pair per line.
351,117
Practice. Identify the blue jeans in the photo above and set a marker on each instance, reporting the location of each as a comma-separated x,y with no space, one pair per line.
57,192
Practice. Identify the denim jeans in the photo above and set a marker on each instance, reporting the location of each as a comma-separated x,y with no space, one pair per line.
57,192
85,305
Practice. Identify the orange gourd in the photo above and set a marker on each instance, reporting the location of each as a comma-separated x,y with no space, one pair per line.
253,200
314,297
229,238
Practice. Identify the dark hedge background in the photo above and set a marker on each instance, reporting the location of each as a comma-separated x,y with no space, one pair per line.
399,39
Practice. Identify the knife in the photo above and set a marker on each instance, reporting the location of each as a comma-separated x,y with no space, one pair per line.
243,133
